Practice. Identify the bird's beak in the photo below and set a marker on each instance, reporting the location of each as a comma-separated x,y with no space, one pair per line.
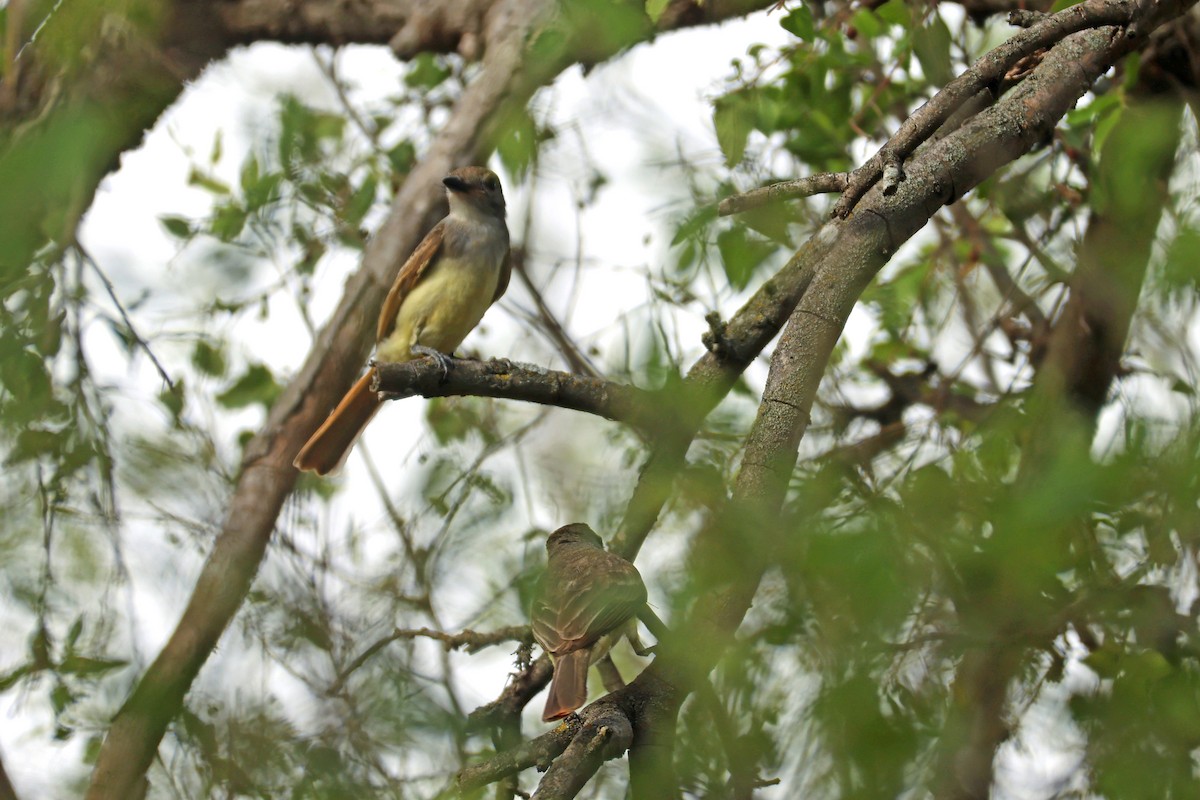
455,183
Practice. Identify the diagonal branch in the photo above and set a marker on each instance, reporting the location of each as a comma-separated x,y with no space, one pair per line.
987,71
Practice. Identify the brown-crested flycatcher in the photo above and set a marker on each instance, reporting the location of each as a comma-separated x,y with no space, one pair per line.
459,269
584,603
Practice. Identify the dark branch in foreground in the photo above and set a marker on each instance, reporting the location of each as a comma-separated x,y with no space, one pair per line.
532,384
7,792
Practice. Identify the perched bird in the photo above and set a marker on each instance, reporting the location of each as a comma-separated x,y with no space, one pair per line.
584,603
459,269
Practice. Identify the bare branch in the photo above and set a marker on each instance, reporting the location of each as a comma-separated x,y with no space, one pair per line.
576,360
473,641
823,183
527,382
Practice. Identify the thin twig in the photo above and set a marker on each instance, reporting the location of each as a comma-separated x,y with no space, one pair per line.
473,641
112,293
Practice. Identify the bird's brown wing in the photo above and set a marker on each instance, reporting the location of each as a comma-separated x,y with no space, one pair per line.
412,271
573,610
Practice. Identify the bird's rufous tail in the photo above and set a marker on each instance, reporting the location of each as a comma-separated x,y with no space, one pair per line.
326,449
568,687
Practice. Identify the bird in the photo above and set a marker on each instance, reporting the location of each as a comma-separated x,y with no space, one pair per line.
457,271
586,600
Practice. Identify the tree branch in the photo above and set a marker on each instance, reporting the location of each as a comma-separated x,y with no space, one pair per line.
537,752
530,383
516,695
919,127
606,733
823,183
473,641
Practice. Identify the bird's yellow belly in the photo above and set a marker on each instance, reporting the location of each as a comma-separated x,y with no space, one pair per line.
441,309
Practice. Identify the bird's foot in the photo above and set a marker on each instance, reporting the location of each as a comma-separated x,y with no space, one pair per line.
442,360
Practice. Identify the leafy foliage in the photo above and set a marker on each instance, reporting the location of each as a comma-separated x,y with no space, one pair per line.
944,509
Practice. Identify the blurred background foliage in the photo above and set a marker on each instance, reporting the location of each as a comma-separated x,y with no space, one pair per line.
937,509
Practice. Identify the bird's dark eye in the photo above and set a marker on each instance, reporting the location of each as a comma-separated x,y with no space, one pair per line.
492,184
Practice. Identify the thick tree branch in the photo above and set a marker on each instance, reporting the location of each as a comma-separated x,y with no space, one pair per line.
919,127
527,382
527,683
539,752
606,733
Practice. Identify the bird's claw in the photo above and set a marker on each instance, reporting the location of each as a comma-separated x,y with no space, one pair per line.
442,360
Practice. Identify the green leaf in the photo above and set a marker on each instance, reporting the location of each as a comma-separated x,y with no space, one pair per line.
208,359
867,24
895,12
733,117
360,201
1181,268
741,255
173,399
256,385
426,71
35,442
60,698
799,23
179,227
217,148
212,184
84,666
227,221
10,679
695,224
518,143
73,634
655,9
402,156
931,44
